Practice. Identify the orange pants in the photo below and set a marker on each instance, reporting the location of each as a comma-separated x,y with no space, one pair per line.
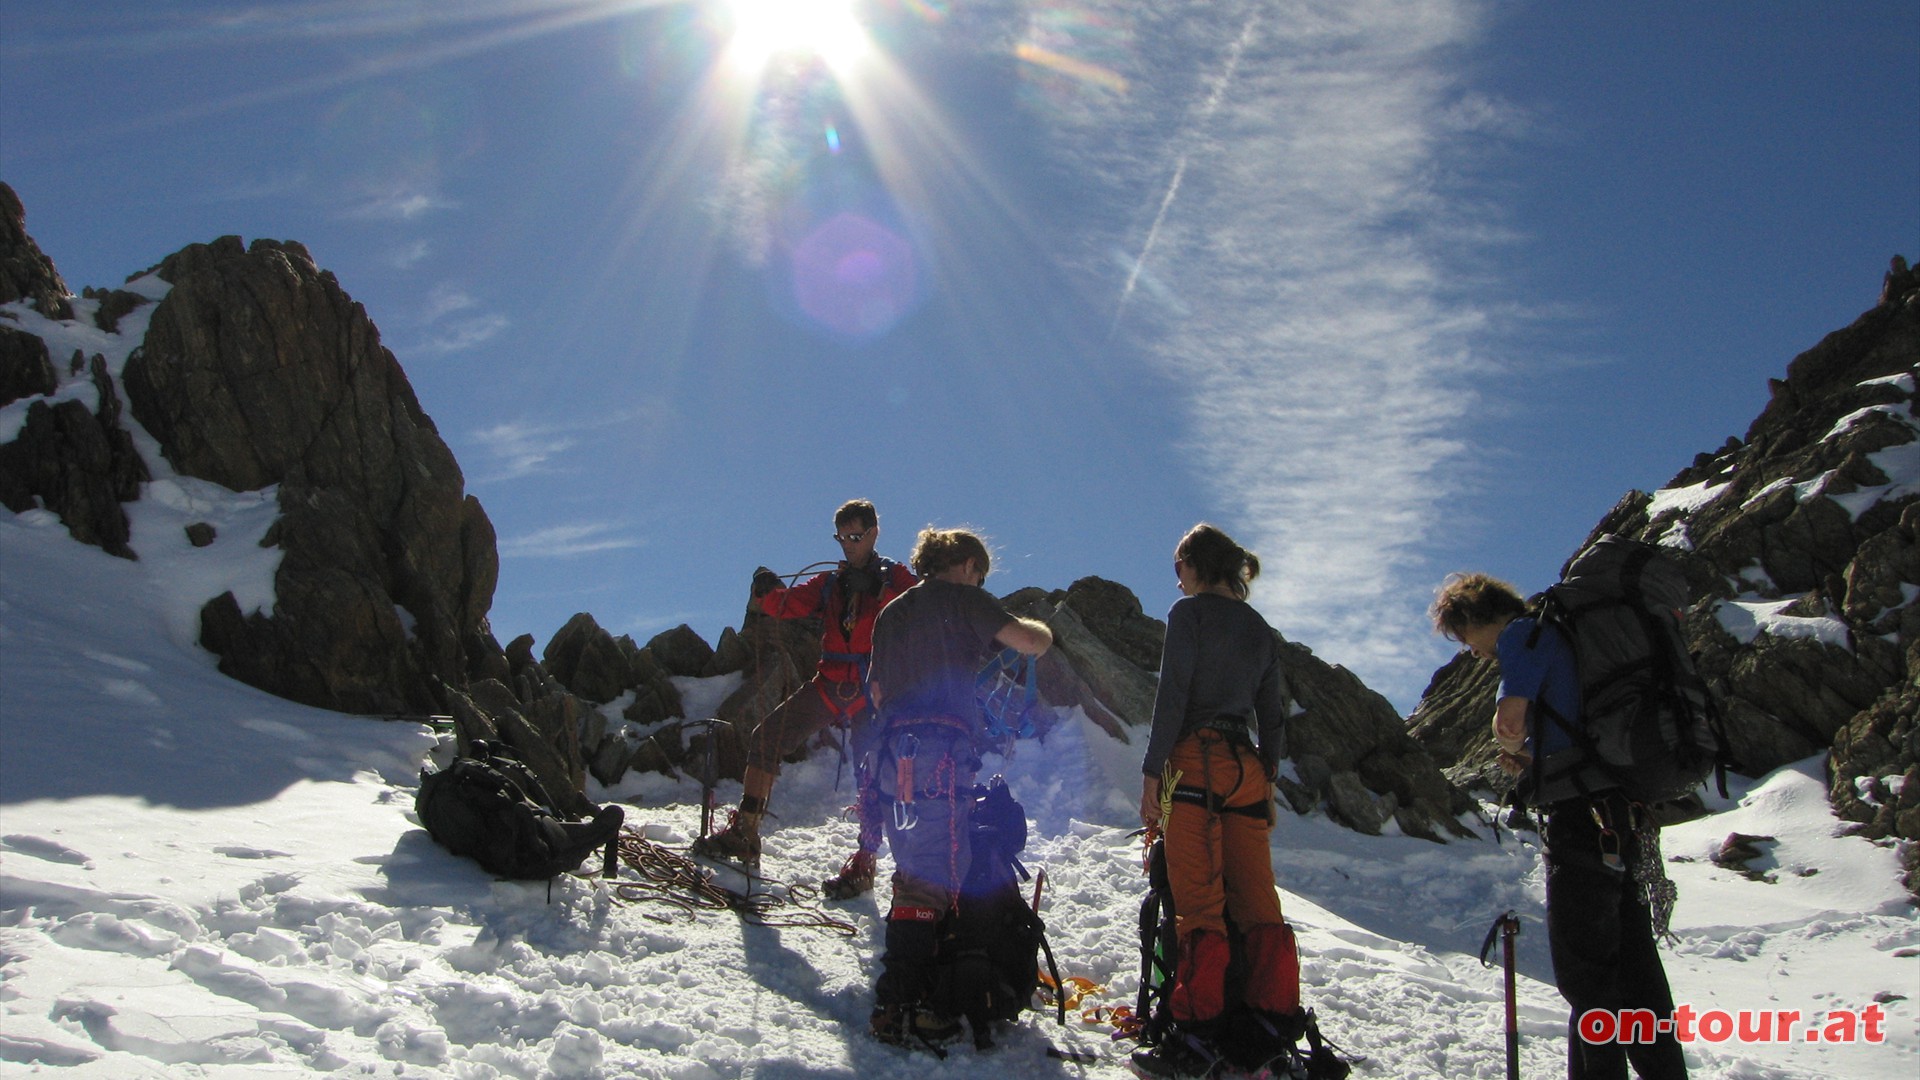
1219,861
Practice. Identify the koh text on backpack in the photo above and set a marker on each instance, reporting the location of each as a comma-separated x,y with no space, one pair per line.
491,808
1648,724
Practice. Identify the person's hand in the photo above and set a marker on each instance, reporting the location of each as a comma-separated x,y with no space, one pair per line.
765,581
1515,762
1150,802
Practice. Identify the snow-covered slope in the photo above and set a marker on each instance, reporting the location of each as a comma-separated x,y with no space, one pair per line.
199,879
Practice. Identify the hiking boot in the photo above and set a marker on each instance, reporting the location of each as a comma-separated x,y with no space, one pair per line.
854,879
1171,1060
911,1026
738,842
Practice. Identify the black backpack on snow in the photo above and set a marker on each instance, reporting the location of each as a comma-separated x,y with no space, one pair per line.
492,809
988,963
1648,724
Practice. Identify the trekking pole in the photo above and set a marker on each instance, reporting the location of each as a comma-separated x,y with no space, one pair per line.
1507,927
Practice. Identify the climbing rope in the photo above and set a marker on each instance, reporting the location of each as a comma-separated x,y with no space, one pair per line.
670,877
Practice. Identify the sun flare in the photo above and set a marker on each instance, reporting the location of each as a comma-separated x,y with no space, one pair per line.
764,29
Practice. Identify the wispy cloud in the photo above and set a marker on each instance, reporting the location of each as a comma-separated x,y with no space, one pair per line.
462,334
409,255
516,449
566,541
454,322
444,300
519,449
1332,365
403,204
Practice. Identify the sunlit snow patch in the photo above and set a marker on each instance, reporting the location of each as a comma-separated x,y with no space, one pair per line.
1748,619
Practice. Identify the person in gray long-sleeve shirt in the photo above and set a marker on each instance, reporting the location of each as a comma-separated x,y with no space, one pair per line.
1234,681
1220,689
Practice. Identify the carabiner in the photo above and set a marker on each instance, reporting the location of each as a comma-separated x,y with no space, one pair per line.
1609,842
905,816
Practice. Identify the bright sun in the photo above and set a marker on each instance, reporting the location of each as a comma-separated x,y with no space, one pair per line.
766,28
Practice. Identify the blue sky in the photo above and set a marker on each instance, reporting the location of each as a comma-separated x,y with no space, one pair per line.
1386,289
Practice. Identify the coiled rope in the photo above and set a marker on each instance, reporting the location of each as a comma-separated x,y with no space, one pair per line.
670,877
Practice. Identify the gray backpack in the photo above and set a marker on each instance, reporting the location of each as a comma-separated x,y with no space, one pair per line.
1648,724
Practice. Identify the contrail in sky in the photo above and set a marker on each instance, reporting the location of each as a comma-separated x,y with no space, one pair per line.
1207,109
1329,363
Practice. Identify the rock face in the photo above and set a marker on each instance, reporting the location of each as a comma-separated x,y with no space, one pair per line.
1350,751
257,370
79,463
25,368
26,273
1802,546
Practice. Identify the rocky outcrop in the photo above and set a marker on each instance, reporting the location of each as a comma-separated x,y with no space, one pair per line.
26,370
1352,754
1799,542
1084,669
26,273
77,462
258,370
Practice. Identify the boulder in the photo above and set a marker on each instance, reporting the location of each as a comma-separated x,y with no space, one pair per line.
681,651
1083,670
258,370
113,304
25,368
588,661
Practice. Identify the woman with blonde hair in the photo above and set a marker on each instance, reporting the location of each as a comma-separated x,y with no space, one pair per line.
928,646
1212,755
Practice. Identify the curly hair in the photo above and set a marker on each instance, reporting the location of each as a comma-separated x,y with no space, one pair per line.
1466,600
942,549
1217,560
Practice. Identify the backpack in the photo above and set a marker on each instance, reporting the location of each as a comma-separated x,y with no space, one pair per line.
1243,1037
1648,724
492,809
988,963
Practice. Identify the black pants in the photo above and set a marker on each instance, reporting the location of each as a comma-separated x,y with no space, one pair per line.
1601,937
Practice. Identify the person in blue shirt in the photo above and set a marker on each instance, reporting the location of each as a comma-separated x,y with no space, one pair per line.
1599,929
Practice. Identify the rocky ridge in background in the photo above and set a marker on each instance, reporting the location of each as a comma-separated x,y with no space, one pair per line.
1801,543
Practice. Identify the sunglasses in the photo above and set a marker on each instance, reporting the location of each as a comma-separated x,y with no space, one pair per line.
851,538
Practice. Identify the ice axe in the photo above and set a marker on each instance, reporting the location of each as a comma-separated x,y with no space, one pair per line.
1507,927
709,775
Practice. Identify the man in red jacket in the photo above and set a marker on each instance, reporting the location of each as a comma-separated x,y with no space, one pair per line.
846,599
